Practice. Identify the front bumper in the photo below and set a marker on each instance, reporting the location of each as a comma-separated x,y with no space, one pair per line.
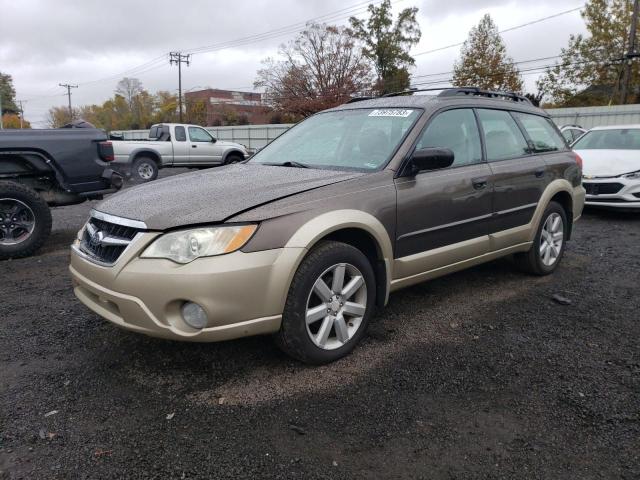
243,294
625,192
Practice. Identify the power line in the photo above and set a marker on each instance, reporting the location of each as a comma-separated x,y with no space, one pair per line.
179,58
532,22
69,87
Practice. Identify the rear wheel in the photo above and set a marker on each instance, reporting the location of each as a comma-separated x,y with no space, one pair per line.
549,243
144,169
25,220
330,302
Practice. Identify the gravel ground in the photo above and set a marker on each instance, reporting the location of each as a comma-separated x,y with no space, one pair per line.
480,374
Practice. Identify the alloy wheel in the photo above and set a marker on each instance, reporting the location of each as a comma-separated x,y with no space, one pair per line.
17,221
551,239
335,306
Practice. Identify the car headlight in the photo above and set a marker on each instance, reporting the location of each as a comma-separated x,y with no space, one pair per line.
185,246
632,175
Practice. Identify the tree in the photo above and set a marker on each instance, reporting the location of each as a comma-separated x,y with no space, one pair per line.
323,67
484,61
12,120
589,71
59,116
7,94
129,88
387,44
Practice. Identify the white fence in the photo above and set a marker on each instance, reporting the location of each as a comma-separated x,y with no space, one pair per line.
589,117
251,136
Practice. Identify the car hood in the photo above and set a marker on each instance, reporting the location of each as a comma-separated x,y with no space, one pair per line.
214,195
609,163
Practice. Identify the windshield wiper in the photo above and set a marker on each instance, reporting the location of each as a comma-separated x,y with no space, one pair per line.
288,163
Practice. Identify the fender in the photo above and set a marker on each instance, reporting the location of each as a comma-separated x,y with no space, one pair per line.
149,151
319,227
525,234
41,163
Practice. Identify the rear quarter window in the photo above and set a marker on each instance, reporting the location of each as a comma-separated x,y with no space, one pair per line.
542,133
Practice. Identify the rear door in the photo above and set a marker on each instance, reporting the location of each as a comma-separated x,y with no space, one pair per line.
443,215
519,176
203,149
180,146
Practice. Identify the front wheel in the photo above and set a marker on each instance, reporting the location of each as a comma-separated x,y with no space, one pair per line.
329,305
25,220
549,243
233,158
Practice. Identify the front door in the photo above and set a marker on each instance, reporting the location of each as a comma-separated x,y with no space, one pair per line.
203,149
443,215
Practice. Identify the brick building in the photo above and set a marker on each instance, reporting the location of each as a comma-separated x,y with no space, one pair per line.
213,107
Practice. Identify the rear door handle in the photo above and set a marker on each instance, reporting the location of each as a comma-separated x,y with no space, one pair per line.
479,183
539,173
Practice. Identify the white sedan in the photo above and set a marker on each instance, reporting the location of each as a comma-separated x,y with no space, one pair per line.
611,166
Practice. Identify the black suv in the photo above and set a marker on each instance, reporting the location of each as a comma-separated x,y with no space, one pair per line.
43,168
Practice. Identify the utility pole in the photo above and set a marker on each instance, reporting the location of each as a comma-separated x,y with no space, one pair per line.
1,126
178,58
631,54
69,87
21,112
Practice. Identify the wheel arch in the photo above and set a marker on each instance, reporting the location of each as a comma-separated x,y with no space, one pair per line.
561,191
151,154
232,151
356,228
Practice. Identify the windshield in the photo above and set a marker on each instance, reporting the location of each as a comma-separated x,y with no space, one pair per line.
615,139
360,139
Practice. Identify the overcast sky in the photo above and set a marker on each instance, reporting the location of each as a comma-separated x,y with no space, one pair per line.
95,43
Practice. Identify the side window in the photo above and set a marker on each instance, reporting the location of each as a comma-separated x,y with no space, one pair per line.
545,138
502,136
199,135
181,136
456,130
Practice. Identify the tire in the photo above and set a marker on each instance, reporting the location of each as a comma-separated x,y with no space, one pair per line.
25,221
540,260
233,158
348,314
144,169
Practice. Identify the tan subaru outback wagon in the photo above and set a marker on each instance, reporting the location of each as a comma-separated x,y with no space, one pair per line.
305,239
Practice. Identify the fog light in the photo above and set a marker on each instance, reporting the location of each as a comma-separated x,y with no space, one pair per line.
194,315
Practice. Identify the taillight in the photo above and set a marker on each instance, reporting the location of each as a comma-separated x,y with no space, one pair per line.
106,151
578,160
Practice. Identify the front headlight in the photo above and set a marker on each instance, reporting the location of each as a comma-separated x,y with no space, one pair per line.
632,175
185,246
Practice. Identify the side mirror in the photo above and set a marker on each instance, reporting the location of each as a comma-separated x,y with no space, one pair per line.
431,159
213,140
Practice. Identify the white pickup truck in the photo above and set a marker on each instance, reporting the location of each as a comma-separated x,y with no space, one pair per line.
173,145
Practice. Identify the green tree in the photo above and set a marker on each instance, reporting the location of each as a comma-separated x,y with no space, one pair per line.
484,61
589,71
387,44
7,94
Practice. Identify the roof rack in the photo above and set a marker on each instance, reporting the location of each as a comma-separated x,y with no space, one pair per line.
359,99
475,91
454,91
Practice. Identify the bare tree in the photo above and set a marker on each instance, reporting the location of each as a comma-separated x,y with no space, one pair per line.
323,67
129,88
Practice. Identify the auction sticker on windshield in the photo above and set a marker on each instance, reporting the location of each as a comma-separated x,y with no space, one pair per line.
391,113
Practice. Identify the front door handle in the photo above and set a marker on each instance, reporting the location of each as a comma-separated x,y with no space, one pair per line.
539,173
194,146
479,183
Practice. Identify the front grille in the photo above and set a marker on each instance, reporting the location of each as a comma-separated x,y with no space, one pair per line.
602,188
104,241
